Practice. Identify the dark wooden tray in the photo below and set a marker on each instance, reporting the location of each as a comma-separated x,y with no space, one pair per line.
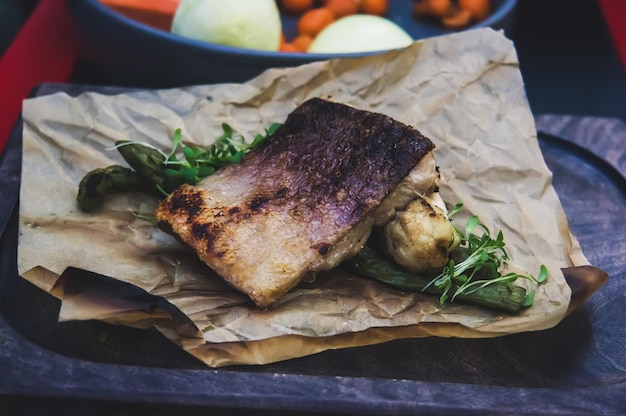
577,367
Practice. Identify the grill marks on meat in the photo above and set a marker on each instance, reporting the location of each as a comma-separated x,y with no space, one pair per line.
303,201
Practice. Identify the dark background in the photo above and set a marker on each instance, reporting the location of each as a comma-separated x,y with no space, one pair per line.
567,57
13,14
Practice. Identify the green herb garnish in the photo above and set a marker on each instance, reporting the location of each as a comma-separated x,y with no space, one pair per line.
159,173
198,162
472,275
477,263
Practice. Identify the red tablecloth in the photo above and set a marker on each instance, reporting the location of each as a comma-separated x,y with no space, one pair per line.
46,50
615,14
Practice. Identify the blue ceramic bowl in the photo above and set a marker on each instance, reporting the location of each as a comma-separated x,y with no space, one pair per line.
125,52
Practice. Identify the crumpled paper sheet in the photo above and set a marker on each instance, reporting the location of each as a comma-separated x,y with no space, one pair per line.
464,91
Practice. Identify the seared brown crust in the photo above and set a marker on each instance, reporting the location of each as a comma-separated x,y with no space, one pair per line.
264,223
334,155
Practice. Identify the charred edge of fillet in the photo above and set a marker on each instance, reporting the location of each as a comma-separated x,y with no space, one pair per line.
335,156
370,136
328,164
323,248
167,228
188,202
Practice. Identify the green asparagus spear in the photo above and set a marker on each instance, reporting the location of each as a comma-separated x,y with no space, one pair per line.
158,173
499,295
103,181
149,163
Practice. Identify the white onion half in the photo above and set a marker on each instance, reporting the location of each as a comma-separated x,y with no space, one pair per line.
360,33
252,24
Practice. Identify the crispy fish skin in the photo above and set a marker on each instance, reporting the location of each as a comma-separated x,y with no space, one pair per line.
303,201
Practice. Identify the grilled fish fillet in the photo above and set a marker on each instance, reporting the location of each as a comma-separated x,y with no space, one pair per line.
303,201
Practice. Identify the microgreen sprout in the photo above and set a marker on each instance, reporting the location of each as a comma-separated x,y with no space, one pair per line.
197,162
482,259
156,172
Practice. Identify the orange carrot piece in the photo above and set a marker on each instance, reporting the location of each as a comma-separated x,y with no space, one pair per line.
159,6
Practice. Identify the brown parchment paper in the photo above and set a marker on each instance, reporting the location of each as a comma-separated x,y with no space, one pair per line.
464,91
